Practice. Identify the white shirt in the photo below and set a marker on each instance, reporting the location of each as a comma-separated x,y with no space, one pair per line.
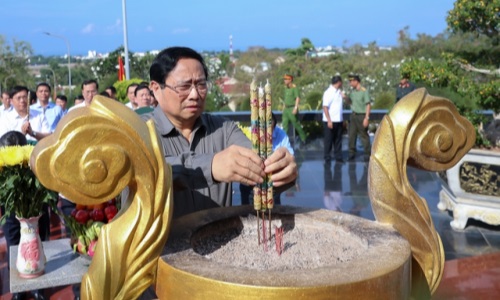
129,105
3,111
332,98
77,106
12,121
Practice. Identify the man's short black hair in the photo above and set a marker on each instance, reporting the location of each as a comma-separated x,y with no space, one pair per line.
17,89
105,94
62,97
141,87
167,60
111,88
133,84
336,79
90,81
43,84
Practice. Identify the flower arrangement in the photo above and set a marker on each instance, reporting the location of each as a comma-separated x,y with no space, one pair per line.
20,191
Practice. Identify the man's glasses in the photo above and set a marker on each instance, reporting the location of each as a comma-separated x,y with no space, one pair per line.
183,90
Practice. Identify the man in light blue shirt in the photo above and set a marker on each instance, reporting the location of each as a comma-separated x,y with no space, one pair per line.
53,113
280,138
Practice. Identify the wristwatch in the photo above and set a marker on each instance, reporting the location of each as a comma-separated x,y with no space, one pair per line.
368,118
33,133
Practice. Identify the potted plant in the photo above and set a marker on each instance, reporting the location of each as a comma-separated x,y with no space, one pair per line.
24,196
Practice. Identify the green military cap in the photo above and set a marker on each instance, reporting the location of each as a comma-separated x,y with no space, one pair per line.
354,77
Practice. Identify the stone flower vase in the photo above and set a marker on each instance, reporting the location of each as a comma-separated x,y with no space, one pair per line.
30,256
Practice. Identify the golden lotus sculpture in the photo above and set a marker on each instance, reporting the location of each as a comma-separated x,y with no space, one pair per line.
98,151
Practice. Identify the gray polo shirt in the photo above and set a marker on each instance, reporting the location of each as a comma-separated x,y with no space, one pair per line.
191,161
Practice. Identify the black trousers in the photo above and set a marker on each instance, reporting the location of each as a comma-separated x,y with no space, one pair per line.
332,137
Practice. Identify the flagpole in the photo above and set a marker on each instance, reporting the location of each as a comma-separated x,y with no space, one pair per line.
125,39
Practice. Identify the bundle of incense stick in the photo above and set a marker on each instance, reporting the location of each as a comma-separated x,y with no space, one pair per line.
262,144
28,108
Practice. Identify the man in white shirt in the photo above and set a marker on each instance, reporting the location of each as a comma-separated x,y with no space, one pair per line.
31,123
131,96
332,120
6,107
52,112
89,90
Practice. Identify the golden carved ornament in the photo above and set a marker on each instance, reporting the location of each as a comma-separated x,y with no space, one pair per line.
92,156
425,132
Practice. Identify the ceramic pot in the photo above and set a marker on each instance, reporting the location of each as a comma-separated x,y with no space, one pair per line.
31,259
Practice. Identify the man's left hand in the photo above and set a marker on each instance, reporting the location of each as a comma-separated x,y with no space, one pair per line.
365,122
282,165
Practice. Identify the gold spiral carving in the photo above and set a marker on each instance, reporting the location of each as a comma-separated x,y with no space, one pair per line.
425,132
92,156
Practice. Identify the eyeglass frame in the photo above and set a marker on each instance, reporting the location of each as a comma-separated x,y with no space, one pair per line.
174,88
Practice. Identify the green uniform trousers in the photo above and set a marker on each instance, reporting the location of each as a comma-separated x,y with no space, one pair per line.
287,117
355,128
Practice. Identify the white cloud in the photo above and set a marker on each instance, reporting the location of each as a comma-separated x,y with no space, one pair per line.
115,27
88,29
181,30
149,28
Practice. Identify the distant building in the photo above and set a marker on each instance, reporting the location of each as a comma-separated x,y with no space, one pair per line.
233,90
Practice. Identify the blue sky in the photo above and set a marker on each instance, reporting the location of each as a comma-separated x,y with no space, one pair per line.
207,25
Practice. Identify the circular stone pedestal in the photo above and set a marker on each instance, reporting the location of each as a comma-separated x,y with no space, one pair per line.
215,254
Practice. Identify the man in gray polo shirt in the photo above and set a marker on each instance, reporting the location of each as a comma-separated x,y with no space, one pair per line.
207,152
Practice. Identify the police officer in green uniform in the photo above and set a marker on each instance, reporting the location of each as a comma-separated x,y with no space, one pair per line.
291,107
360,116
405,87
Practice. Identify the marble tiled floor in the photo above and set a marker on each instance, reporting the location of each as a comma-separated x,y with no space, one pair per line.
472,270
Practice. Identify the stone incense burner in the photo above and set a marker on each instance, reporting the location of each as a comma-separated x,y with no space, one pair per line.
99,150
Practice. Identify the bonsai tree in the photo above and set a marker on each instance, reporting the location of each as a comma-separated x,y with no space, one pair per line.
470,63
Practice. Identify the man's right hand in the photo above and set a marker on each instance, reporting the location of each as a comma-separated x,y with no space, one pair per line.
330,124
238,164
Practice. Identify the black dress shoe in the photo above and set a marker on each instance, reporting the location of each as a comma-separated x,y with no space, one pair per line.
339,160
38,295
18,296
351,158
